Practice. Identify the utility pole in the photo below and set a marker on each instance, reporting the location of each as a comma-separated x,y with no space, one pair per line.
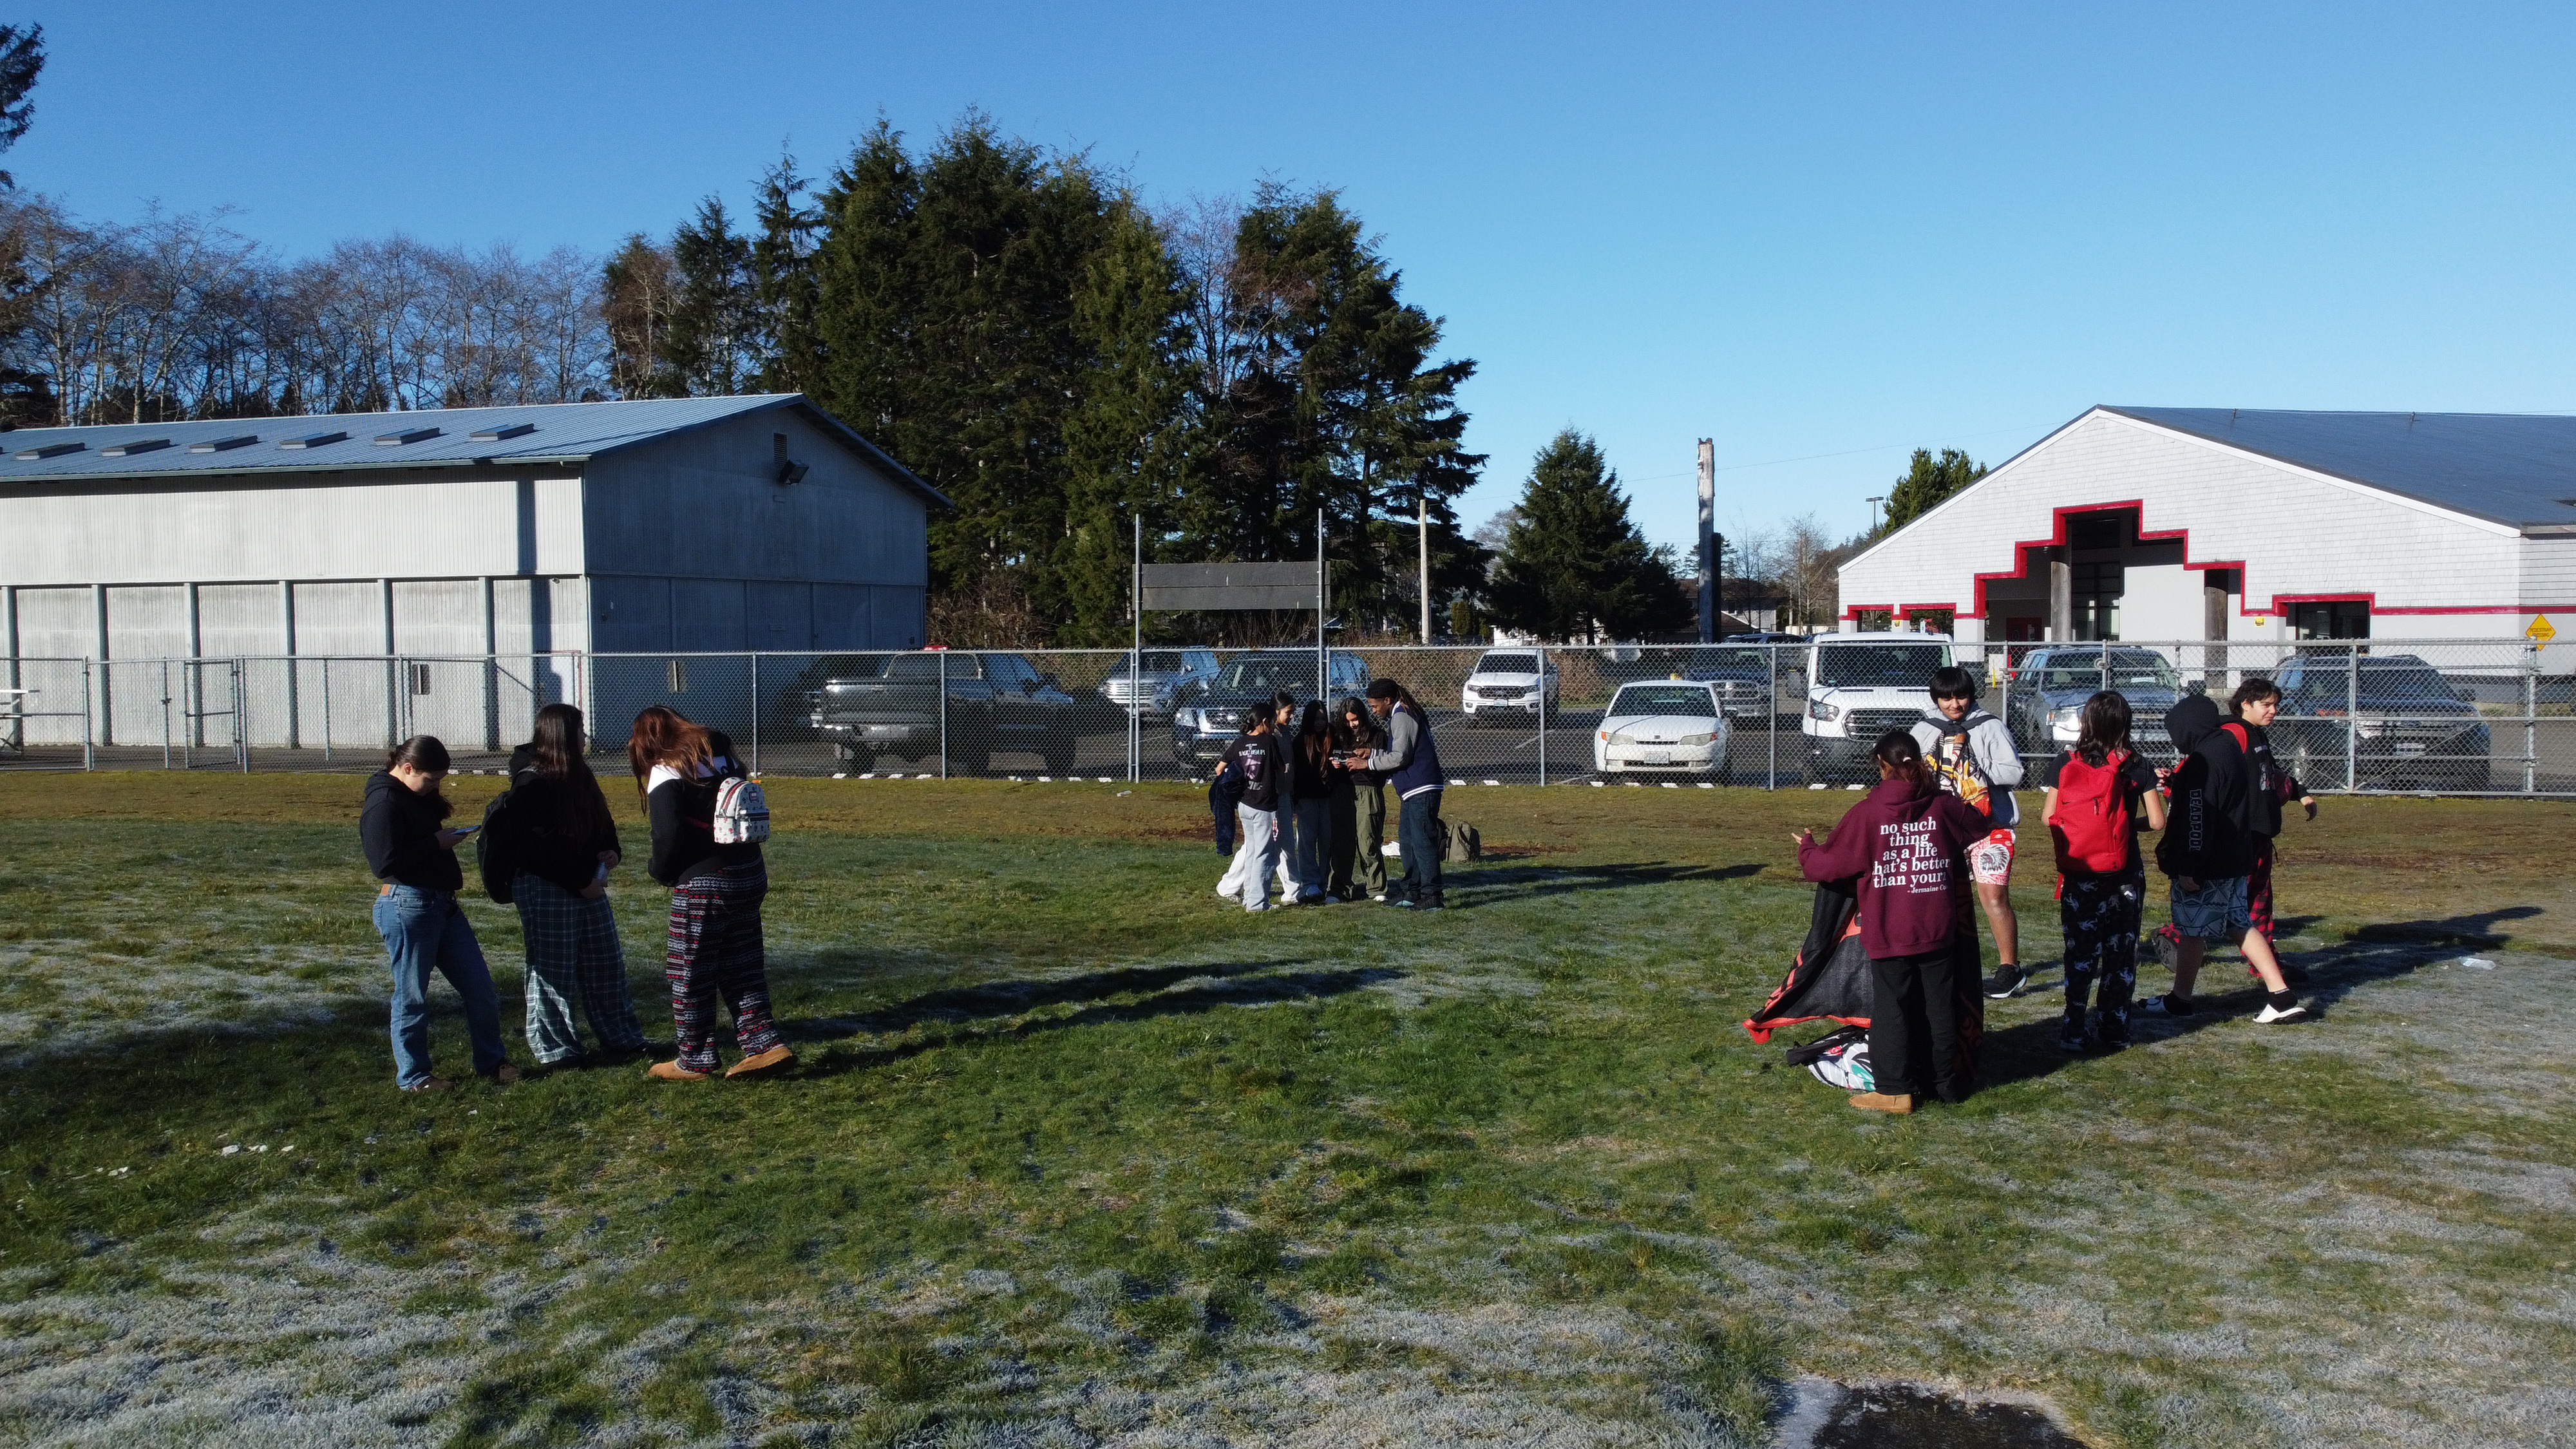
1425,505
1323,667
1136,658
1873,511
1707,541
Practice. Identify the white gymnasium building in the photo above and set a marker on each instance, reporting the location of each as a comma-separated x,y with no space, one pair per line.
2222,524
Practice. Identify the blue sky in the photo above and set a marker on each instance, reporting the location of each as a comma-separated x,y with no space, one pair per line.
1820,233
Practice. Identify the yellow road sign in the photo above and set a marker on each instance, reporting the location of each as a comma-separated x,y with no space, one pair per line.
2540,630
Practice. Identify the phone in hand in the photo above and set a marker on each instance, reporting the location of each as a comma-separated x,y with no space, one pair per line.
463,830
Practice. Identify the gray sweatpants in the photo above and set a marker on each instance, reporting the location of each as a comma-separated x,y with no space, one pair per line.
1261,853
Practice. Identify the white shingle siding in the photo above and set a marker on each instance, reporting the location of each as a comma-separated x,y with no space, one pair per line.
2295,533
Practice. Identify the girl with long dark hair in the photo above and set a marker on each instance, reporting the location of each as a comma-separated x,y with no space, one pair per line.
2097,795
1310,789
561,845
1906,844
1358,864
714,943
417,915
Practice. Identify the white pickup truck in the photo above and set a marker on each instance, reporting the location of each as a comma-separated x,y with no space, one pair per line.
1860,686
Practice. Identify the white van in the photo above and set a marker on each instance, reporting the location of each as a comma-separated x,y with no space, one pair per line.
1860,686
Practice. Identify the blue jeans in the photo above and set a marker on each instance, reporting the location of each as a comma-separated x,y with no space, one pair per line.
425,929
1417,836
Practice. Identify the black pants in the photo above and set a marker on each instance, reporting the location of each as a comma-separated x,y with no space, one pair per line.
1914,1025
1418,831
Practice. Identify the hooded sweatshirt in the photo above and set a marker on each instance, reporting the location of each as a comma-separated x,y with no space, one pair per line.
399,828
2209,831
1904,842
1976,760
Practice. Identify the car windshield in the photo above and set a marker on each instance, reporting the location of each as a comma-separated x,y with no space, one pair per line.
1245,676
1508,664
2383,682
1156,661
1879,666
1663,699
1757,661
2126,669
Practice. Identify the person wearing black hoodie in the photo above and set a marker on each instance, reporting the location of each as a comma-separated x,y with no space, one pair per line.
2207,851
560,843
416,913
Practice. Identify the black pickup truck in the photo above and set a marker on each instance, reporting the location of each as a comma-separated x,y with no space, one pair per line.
874,705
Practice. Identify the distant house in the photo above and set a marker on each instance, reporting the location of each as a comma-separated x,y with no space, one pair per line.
2225,524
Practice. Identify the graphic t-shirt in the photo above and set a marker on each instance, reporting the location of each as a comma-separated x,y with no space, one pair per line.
1257,756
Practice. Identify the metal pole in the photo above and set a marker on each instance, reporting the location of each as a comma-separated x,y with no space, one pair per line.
1136,656
1425,538
326,709
1323,674
943,716
1707,540
89,733
755,714
165,713
2530,717
2351,726
241,707
1542,717
1771,713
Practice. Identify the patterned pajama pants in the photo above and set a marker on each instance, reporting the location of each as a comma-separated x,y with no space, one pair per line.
2098,915
573,956
715,951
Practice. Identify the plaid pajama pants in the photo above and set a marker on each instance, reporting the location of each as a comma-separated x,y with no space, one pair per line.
716,951
573,956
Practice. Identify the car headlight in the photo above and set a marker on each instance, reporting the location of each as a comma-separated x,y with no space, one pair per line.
2066,718
1186,718
1620,737
1818,709
1698,741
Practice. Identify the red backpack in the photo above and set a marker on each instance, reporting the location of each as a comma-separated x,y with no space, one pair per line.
2091,828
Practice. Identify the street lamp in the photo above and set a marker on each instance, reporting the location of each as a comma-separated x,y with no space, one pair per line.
1873,511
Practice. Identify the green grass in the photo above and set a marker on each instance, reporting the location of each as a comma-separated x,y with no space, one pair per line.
1078,1152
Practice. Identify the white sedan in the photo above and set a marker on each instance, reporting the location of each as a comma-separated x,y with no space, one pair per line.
1673,724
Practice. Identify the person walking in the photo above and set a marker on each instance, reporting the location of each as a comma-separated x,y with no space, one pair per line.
713,946
1359,808
1410,758
1905,846
424,930
1973,756
2097,795
561,843
2256,703
2207,854
1310,787
1255,754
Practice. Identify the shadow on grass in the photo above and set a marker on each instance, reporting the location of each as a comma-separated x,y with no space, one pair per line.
1524,882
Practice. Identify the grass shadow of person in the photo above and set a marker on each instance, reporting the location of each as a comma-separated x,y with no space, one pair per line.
1533,882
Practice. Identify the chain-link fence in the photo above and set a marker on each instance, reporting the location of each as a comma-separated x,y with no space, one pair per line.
2454,717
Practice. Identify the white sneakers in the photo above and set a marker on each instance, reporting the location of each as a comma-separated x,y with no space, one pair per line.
2270,1013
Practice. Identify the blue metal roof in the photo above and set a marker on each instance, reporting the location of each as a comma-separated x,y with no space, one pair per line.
558,433
2509,468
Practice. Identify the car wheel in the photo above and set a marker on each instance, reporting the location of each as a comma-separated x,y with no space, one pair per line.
1059,755
857,757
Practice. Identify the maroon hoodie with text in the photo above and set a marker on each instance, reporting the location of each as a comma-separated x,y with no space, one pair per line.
1906,844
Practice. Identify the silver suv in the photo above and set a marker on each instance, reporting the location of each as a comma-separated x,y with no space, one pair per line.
1163,676
1508,682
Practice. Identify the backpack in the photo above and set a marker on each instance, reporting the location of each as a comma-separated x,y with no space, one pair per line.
2275,781
742,812
1464,842
491,857
1956,764
2092,828
1840,1059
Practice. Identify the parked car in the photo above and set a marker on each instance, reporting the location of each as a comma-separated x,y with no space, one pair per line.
1860,686
1755,680
1508,683
1162,676
875,705
2396,725
1209,714
2047,689
1658,726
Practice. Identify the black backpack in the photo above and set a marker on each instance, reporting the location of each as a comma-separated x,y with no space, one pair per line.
492,857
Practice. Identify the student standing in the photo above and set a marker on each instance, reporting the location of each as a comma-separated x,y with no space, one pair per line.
2208,852
1411,759
1972,756
2098,794
1310,788
2256,704
1359,809
714,942
1906,844
561,845
1256,754
417,915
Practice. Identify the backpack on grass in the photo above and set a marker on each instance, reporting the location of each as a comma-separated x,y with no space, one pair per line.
1840,1059
2092,828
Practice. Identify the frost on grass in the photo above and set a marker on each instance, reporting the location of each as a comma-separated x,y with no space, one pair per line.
68,997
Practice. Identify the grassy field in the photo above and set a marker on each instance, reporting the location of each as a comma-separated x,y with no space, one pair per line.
1079,1154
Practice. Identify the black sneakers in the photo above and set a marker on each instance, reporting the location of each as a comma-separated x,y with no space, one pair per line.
2070,1032
2166,1005
2008,981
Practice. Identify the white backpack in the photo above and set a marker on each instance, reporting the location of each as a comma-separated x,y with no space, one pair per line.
742,812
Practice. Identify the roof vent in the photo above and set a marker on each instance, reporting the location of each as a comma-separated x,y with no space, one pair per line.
506,430
408,435
49,450
224,445
313,440
128,450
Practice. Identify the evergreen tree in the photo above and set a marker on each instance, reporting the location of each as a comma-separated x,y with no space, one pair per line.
1927,481
1573,565
22,59
1127,445
636,288
708,340
786,291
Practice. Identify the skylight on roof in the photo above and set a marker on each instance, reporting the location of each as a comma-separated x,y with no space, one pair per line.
313,440
49,450
507,430
224,445
408,435
128,450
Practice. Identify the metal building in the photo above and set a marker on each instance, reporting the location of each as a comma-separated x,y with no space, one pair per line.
2233,524
539,534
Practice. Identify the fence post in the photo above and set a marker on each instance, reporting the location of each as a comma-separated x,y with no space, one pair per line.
241,713
2351,726
1542,717
1771,713
2530,716
755,714
89,728
165,713
326,709
943,716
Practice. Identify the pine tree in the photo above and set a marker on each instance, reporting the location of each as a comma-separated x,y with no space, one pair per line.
1573,565
1927,482
1127,446
786,290
707,343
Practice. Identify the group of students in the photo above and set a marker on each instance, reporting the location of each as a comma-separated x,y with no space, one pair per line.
1939,829
550,848
1300,794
